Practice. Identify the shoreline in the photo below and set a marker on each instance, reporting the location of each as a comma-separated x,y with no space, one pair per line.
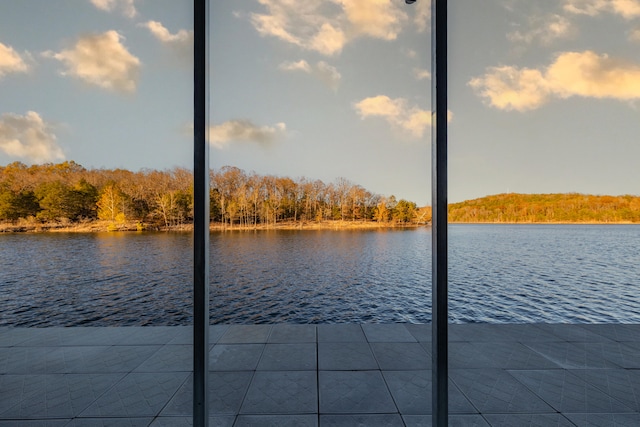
104,227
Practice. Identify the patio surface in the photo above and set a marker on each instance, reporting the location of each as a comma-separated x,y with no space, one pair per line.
327,375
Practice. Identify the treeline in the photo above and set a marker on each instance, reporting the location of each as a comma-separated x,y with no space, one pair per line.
570,207
69,193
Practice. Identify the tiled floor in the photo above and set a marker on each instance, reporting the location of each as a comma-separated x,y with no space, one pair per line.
322,375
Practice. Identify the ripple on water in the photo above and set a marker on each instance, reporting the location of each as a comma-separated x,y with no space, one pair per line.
497,273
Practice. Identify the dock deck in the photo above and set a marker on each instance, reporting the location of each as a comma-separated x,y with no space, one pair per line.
322,375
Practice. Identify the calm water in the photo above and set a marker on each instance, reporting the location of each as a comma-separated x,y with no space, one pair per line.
497,273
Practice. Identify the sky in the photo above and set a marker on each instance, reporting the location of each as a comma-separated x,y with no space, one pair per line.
544,96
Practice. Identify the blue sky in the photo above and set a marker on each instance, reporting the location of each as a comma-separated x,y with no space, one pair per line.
544,95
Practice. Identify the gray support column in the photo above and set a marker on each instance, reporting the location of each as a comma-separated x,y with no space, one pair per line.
439,349
200,214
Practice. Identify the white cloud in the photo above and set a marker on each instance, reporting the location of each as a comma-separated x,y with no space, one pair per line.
327,26
127,7
397,112
301,65
543,29
182,41
421,74
422,17
11,61
324,72
244,130
585,74
634,35
101,60
28,137
628,9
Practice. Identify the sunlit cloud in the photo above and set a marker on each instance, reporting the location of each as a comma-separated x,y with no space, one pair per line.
181,42
327,26
628,9
126,7
28,137
101,60
543,29
301,65
397,112
244,130
421,74
11,61
324,72
634,35
584,74
422,16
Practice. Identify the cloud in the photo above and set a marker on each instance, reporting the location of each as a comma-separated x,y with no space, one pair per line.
584,74
244,130
421,74
182,41
634,35
101,60
28,137
327,26
301,65
628,9
11,61
127,7
326,73
543,29
397,112
422,17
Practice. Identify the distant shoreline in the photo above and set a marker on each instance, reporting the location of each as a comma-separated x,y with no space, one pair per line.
104,226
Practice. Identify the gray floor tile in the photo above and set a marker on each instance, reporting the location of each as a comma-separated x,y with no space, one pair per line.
401,356
110,422
499,354
149,335
395,332
616,331
454,421
44,337
288,357
235,357
169,358
573,332
485,332
341,333
334,356
621,384
625,354
42,396
421,332
573,355
567,392
411,392
277,421
226,391
605,420
528,420
85,359
495,391
282,392
238,334
343,392
137,395
293,334
34,423
361,420
220,421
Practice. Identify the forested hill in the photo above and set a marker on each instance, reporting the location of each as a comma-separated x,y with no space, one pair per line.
569,208
69,194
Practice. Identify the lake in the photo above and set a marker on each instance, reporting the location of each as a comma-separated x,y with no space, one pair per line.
497,273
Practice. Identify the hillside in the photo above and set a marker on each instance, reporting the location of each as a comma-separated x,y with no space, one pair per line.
547,208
